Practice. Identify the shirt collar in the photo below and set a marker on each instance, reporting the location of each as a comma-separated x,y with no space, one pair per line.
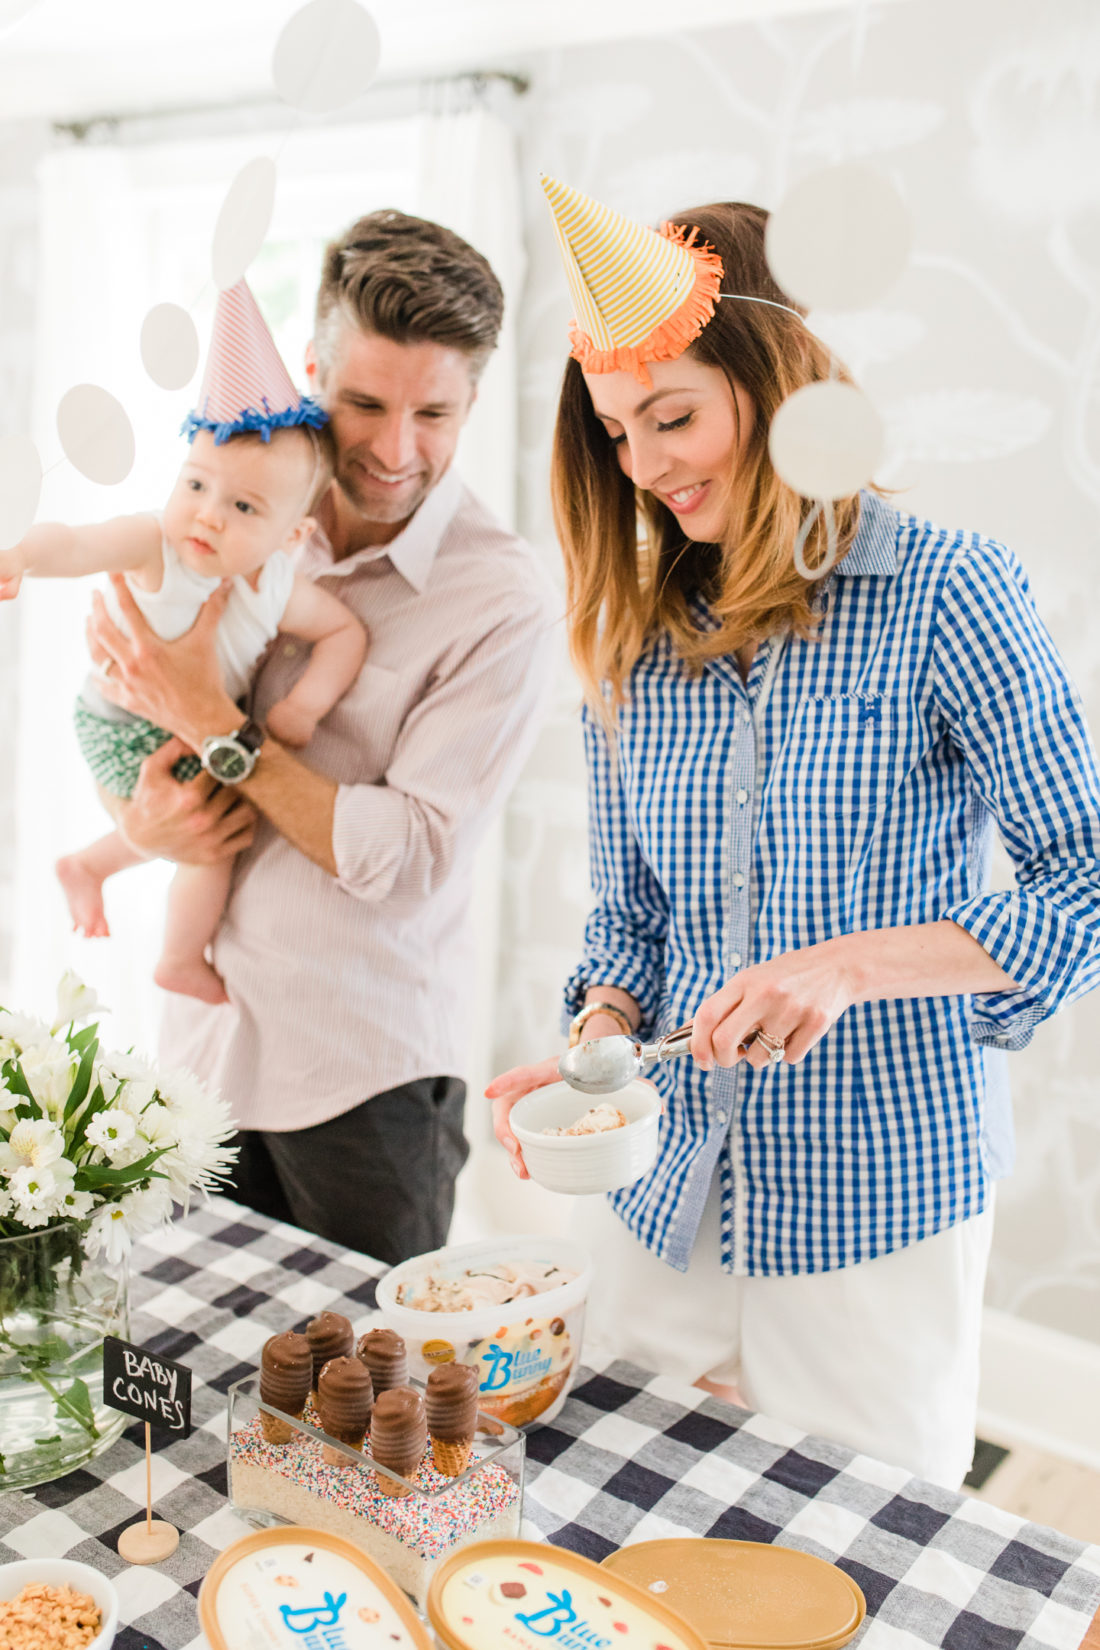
413,552
874,550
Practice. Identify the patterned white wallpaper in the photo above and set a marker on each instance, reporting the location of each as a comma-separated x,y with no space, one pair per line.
983,360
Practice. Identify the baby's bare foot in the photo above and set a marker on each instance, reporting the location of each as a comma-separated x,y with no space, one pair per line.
84,893
190,977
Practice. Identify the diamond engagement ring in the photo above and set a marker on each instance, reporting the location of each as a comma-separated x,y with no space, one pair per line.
774,1046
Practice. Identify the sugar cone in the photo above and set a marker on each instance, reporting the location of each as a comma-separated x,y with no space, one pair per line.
336,1458
452,1455
390,1486
274,1430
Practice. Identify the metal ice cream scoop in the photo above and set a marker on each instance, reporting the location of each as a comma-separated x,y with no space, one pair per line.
609,1063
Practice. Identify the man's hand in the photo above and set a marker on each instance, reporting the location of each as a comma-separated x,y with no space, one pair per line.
196,823
176,685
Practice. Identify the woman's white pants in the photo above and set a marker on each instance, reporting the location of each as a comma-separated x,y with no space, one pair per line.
882,1356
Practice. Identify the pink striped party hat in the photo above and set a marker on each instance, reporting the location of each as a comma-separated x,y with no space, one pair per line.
246,389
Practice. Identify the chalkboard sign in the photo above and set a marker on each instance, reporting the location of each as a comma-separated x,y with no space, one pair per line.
147,1386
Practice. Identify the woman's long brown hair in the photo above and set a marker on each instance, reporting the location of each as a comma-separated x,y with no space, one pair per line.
630,571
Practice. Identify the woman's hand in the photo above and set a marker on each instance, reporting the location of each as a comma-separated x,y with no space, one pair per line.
793,1000
176,685
505,1090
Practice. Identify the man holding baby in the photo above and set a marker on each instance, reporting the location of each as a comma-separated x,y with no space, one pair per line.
345,944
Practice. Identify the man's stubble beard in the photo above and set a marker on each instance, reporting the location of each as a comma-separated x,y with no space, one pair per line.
383,511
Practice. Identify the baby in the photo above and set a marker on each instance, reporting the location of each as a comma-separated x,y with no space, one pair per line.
260,458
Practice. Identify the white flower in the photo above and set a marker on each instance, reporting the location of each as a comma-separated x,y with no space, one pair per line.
201,1158
109,1235
135,1096
157,1126
75,1000
20,1031
77,1205
7,1202
32,1144
117,1224
112,1130
48,1068
38,1193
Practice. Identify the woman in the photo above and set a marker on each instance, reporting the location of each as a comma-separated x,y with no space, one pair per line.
793,789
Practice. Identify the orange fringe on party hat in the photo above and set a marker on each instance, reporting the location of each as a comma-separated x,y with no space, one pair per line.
671,338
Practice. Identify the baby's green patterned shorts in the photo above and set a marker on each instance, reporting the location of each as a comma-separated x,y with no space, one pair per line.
115,750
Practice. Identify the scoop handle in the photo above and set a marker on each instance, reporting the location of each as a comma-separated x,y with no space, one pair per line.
674,1042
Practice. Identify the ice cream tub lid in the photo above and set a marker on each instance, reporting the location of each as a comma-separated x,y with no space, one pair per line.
746,1595
519,1595
299,1587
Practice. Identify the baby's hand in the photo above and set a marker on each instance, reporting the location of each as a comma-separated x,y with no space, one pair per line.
11,574
290,725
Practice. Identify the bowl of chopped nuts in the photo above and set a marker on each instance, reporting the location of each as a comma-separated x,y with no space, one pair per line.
46,1603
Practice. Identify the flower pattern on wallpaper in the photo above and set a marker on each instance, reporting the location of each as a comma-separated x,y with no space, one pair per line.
982,361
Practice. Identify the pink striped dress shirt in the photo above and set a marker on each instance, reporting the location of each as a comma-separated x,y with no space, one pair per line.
344,987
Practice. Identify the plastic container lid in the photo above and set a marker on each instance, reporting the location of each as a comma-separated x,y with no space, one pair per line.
293,1586
746,1595
519,1595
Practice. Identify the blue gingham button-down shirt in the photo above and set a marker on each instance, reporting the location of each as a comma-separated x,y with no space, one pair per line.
852,783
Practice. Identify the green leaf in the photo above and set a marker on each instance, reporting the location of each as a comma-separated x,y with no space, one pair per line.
94,1175
80,1127
81,1040
81,1400
17,1084
81,1082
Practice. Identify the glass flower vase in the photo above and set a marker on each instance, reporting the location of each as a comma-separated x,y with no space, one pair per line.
56,1305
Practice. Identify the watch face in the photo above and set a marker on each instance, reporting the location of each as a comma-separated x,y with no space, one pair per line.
229,763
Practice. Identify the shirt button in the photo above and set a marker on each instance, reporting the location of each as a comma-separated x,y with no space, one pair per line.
735,960
742,797
290,650
737,879
746,716
720,1116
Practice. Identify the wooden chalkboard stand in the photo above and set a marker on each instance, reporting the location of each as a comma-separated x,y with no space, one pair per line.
153,1541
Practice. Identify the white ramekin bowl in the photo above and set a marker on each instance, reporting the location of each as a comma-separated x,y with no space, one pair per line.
66,1572
585,1163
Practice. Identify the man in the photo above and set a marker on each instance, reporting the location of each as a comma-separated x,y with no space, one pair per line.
344,948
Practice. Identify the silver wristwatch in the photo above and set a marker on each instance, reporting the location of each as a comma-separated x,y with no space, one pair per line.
230,757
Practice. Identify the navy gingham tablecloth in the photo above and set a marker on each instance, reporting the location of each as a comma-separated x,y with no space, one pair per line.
631,1457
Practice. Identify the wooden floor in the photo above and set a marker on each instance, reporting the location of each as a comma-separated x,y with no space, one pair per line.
1046,1489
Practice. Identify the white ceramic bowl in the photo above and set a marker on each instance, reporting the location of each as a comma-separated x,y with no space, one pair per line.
66,1572
583,1163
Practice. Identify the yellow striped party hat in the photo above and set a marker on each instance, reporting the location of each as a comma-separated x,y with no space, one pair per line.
639,294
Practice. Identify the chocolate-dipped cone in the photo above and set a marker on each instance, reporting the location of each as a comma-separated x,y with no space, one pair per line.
286,1371
330,1335
450,1401
398,1436
344,1405
383,1352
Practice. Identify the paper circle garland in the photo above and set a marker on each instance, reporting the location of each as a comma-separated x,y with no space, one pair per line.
839,239
169,346
326,56
20,487
243,221
96,435
826,440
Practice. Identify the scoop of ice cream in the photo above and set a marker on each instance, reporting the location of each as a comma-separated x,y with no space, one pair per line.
399,1430
383,1352
597,1120
483,1286
330,1335
344,1398
450,1400
286,1372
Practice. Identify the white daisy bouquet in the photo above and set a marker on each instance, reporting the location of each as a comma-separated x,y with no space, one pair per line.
95,1148
98,1138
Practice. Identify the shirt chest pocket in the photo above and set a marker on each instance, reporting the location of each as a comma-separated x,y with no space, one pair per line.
831,782
365,724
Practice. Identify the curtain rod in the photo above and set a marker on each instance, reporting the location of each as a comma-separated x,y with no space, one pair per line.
103,127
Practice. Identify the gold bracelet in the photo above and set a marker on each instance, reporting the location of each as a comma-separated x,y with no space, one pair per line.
577,1023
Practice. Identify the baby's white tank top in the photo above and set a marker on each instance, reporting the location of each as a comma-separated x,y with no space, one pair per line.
250,621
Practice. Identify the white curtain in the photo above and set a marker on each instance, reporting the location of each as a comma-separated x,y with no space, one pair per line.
124,228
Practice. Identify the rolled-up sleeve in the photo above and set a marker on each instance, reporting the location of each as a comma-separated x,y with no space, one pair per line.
456,757
625,933
1018,721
